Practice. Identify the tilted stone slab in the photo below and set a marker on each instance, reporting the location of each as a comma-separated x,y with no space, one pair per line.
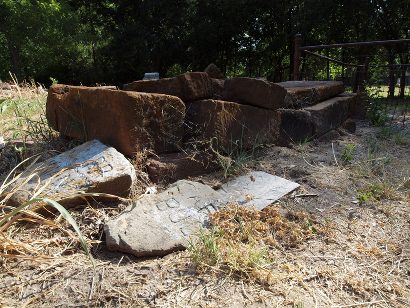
305,93
128,121
258,189
255,92
156,225
188,87
331,113
299,125
232,125
91,168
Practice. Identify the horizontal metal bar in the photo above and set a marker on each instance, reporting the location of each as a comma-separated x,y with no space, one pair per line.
331,59
357,44
391,65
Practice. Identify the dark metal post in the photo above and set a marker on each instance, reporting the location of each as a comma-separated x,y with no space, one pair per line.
364,75
297,56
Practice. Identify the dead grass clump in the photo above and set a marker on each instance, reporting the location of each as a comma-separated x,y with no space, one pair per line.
241,241
269,225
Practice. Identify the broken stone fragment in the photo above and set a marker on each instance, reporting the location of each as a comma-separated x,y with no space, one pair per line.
255,92
156,225
91,168
129,121
188,86
257,189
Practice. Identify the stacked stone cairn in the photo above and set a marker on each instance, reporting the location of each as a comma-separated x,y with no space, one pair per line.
179,119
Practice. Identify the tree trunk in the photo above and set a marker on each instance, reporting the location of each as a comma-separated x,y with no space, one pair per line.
15,58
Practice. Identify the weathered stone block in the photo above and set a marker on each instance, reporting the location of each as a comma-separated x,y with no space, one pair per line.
232,125
91,167
172,167
330,114
295,126
128,121
255,92
156,225
188,87
305,93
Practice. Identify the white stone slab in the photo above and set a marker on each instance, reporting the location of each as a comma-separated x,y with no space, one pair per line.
258,189
90,167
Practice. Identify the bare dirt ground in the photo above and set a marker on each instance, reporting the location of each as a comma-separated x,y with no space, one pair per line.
354,189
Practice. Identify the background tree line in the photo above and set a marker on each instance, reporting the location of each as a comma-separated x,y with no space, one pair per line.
90,41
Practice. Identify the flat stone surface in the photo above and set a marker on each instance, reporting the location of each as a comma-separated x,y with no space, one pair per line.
129,121
90,167
258,189
305,93
156,225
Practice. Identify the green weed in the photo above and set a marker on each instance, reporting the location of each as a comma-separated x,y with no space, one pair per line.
206,249
348,152
377,113
374,192
235,158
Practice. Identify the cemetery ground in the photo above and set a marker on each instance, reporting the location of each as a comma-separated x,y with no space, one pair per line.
341,240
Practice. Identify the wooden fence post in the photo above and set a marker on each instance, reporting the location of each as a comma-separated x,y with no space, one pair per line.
297,56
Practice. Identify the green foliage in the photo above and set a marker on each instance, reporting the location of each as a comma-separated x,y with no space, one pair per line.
118,41
53,81
206,249
235,157
377,113
377,192
348,152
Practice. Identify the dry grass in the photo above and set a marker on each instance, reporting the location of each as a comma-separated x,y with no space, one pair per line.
241,240
319,248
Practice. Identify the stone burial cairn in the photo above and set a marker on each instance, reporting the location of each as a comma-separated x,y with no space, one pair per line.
165,117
